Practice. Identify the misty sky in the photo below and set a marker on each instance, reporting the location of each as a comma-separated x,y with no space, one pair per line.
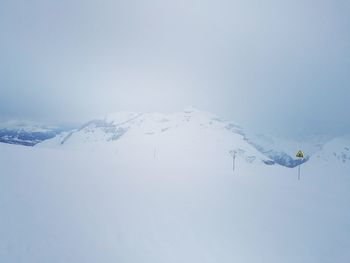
274,66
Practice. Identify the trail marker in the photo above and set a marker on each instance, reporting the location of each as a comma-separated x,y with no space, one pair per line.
299,155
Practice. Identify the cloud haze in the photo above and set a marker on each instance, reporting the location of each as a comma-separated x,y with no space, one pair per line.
279,66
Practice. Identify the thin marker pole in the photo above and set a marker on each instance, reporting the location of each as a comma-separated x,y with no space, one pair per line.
233,161
299,172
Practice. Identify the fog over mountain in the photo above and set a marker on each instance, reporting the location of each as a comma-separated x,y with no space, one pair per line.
273,67
184,131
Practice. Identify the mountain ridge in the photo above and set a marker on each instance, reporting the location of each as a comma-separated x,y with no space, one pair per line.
120,129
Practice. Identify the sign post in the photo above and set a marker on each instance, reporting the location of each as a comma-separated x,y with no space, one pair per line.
299,155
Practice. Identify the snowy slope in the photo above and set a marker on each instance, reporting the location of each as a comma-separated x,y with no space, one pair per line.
182,205
155,187
336,150
283,150
155,133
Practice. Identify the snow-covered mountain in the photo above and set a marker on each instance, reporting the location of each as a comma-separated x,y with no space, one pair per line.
26,132
153,133
190,130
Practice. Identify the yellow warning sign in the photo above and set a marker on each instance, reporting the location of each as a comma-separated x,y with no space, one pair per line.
300,154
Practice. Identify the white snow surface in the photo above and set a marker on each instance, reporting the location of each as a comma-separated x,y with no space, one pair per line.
71,206
169,196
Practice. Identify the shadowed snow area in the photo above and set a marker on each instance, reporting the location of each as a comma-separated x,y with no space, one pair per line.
169,199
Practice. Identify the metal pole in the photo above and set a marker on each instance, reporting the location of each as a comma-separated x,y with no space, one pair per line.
299,172
233,161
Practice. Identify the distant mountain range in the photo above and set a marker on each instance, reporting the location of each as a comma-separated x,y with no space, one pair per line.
26,132
190,130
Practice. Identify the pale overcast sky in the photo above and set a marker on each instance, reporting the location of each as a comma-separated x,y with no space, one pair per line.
274,65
